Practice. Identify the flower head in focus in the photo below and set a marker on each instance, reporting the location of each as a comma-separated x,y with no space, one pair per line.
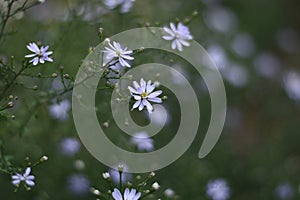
40,55
128,194
179,35
115,51
26,177
218,189
143,93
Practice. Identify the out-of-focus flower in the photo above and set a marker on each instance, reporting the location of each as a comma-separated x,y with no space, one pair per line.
236,75
284,191
288,40
143,93
243,45
267,64
115,175
220,19
128,194
142,141
179,36
292,84
26,177
69,146
169,193
125,5
218,189
78,184
115,51
218,55
40,54
60,111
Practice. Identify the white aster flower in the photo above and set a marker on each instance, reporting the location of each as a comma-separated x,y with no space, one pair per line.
115,51
143,93
218,189
142,141
26,177
40,54
128,194
179,36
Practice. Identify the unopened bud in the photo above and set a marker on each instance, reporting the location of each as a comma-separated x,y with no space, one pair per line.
10,104
120,168
54,75
44,158
106,175
155,186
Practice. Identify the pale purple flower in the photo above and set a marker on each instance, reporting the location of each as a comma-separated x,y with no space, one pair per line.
292,84
40,55
128,194
125,5
115,51
70,146
179,35
143,93
115,175
284,191
60,111
26,177
142,141
218,189
78,184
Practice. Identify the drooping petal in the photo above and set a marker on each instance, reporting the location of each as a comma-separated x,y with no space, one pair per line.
117,194
126,194
179,45
35,61
136,104
148,105
141,106
30,183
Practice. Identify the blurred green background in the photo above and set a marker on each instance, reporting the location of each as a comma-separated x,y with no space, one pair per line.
255,44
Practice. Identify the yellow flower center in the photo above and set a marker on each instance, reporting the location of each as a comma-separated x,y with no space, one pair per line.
144,95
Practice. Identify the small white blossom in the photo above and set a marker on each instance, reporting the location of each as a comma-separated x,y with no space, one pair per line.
115,51
128,194
179,36
105,175
218,189
143,93
40,54
125,5
26,177
155,186
142,141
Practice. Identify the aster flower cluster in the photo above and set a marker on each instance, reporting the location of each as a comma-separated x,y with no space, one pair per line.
26,178
128,190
